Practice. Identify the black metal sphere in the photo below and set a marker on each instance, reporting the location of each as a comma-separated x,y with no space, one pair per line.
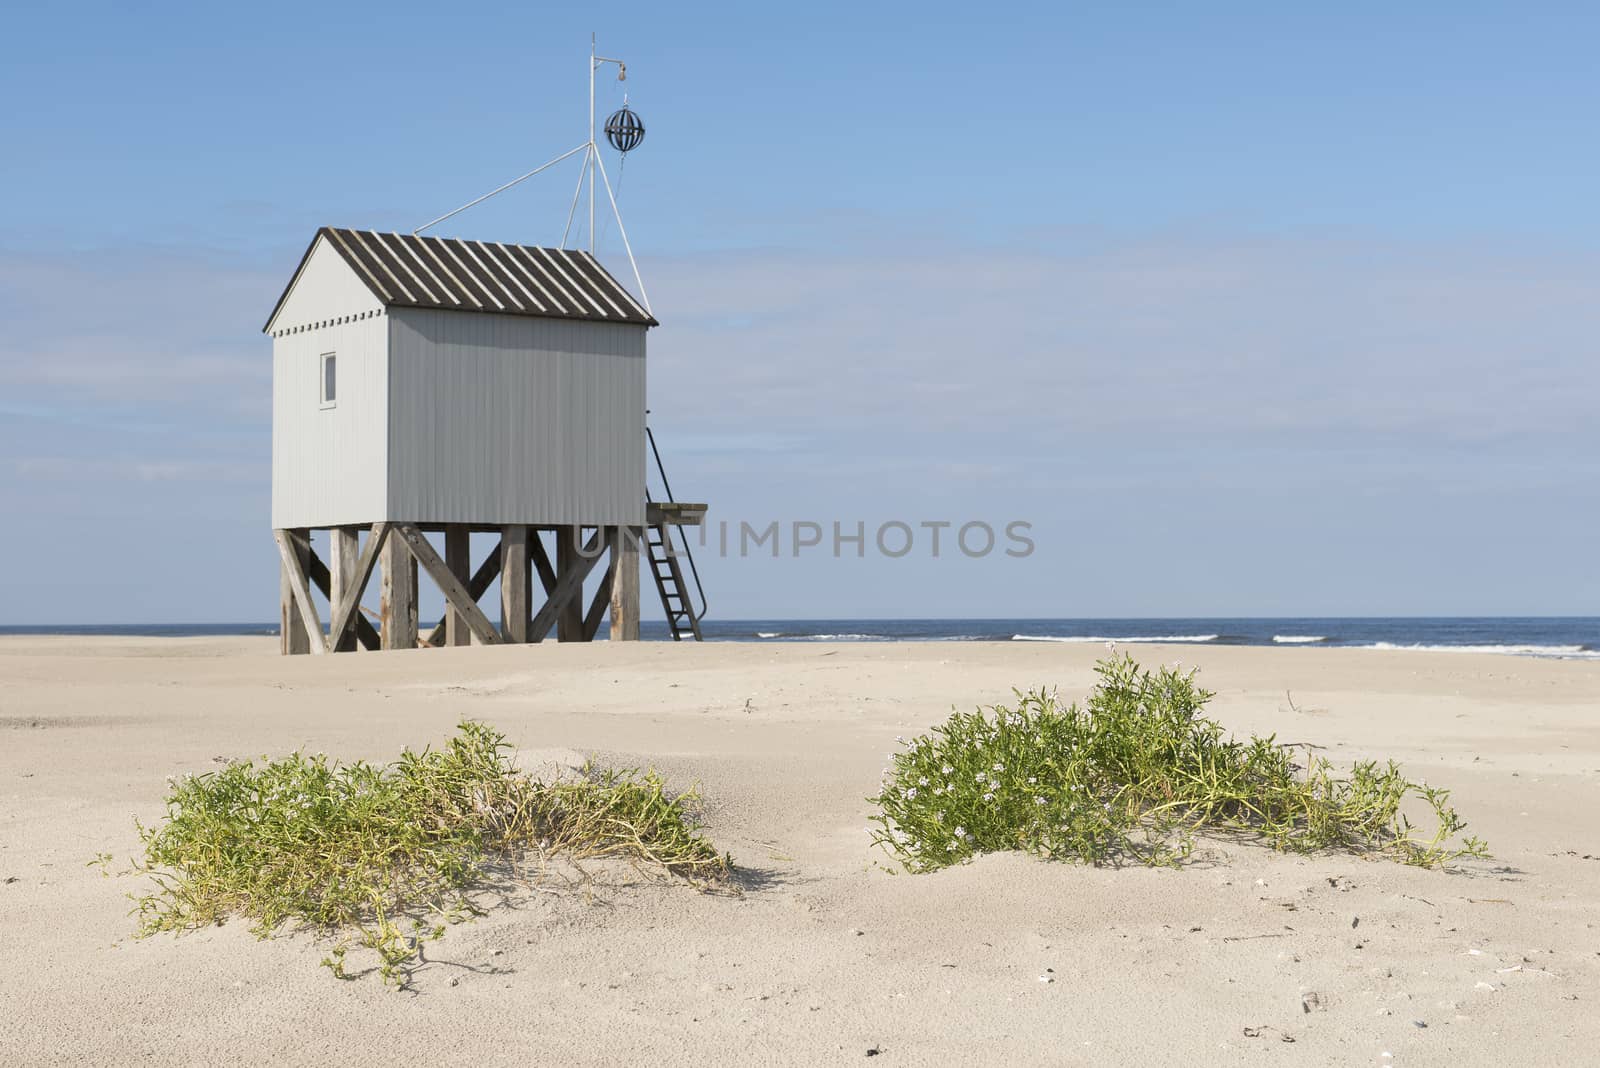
624,130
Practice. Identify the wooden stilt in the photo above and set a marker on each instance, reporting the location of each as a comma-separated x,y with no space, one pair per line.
456,597
322,581
569,619
486,573
344,545
625,584
294,550
346,608
568,593
515,583
458,558
398,604
293,638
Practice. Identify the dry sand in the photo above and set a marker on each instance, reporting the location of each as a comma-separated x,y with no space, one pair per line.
1254,958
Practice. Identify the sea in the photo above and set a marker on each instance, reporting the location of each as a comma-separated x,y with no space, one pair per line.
1566,637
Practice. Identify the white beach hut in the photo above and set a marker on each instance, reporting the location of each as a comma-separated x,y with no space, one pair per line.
428,385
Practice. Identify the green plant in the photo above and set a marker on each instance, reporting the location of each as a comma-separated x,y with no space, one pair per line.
1136,774
391,853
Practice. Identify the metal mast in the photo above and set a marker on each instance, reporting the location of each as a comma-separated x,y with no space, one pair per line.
592,163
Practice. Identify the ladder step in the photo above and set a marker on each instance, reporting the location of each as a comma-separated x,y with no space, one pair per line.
663,552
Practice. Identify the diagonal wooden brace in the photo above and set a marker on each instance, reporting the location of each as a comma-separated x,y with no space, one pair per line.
569,584
301,585
602,601
541,563
344,612
458,596
487,572
322,580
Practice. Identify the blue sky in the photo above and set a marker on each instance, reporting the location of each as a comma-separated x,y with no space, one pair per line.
1248,309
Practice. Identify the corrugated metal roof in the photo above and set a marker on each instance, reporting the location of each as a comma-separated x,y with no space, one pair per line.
409,271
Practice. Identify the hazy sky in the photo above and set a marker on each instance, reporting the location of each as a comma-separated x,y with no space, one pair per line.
1247,309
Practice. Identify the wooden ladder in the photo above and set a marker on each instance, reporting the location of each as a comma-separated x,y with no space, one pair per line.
663,554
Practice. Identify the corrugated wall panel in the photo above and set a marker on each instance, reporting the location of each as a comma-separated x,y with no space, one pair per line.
330,465
506,419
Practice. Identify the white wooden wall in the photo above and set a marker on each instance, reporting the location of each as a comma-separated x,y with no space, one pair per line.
512,419
330,465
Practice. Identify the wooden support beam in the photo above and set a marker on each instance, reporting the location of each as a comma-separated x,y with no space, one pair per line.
294,548
457,598
344,545
347,609
458,558
569,586
601,601
476,588
397,608
569,620
541,564
516,583
322,580
625,584
292,637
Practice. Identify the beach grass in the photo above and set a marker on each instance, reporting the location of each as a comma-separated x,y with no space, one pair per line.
385,857
1135,774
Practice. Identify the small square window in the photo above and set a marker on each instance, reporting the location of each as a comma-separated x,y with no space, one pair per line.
330,379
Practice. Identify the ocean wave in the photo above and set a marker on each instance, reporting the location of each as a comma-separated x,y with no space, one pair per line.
1157,639
1575,652
787,636
1298,639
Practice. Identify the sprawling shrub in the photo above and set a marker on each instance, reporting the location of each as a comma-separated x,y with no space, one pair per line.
1134,775
361,848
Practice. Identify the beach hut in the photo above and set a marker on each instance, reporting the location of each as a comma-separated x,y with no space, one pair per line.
429,386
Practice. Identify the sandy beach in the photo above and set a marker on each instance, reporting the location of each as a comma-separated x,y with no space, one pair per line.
826,956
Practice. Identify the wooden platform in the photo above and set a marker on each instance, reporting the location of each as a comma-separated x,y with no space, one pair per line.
674,513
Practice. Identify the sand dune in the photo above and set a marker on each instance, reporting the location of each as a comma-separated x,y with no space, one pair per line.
826,956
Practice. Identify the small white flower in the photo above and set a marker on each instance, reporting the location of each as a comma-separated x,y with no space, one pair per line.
1038,801
980,777
1032,780
961,832
922,780
938,817
901,740
999,766
988,797
1111,645
946,769
911,794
